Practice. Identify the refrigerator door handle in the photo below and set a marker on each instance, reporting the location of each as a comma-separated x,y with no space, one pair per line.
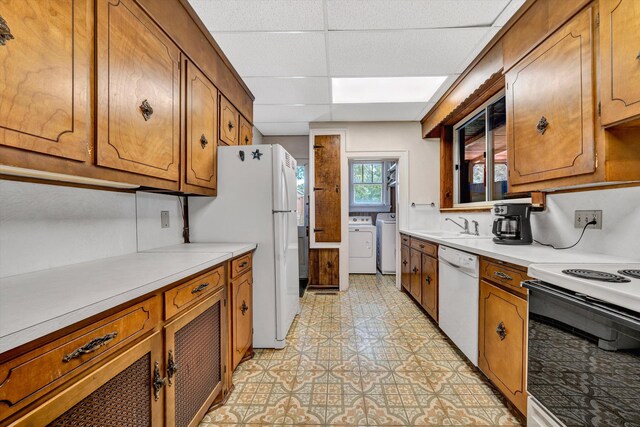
282,211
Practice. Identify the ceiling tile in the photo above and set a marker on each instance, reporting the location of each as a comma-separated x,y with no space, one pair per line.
260,15
376,112
276,90
400,53
275,54
508,12
411,14
291,113
269,129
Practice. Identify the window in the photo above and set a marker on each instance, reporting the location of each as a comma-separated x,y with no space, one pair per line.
480,155
367,186
300,205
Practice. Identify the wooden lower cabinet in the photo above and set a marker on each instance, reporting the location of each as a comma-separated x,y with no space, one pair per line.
415,266
502,342
120,393
405,267
419,272
324,268
429,281
242,317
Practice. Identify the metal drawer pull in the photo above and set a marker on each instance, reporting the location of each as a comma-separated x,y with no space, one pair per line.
172,367
246,140
318,230
428,280
421,246
637,56
5,32
415,269
501,331
200,288
158,381
90,347
404,262
146,109
203,141
230,125
503,276
542,125
243,264
244,307
318,189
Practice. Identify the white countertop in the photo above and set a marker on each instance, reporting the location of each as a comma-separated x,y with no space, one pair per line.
35,304
234,249
523,255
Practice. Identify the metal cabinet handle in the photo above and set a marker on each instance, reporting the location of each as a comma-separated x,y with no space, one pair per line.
158,381
243,264
542,125
637,57
244,307
329,264
415,270
428,280
5,32
200,288
503,276
230,125
90,347
172,367
246,140
337,188
501,331
421,246
318,189
146,109
318,230
404,262
203,141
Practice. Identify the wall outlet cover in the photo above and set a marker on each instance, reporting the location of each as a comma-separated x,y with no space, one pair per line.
164,219
583,217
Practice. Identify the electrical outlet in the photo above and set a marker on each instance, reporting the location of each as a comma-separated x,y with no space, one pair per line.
164,219
583,217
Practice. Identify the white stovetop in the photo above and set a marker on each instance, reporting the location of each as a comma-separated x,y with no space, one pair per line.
623,294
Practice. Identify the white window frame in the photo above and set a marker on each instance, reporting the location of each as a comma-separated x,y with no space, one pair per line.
488,163
385,206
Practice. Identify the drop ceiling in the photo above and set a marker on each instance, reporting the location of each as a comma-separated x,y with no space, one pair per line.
287,51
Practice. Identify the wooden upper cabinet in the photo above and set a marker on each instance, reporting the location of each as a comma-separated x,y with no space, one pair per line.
229,126
246,132
44,83
550,107
620,60
138,92
326,188
202,129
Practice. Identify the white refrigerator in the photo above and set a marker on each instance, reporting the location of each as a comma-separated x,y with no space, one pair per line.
256,203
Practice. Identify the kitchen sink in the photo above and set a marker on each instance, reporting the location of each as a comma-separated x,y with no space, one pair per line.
445,234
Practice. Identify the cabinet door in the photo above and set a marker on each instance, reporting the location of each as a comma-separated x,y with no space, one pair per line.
405,268
550,107
329,267
138,92
429,282
195,358
326,188
120,393
229,117
416,273
503,331
44,83
620,60
202,129
242,316
246,132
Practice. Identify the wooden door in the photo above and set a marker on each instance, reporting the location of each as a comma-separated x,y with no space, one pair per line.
195,354
138,92
246,132
405,268
229,118
242,316
415,265
429,281
550,107
202,129
502,342
44,84
329,267
620,60
119,393
326,188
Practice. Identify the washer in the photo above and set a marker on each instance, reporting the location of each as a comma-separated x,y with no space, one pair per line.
386,232
362,245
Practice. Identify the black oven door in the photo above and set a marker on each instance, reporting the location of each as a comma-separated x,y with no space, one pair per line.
583,358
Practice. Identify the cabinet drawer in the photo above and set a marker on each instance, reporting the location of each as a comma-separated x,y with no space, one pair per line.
27,377
240,265
503,274
405,240
424,247
182,296
229,125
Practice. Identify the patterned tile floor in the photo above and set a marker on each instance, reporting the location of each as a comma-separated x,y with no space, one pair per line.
368,356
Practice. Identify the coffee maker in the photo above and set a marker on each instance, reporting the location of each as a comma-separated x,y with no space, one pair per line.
513,224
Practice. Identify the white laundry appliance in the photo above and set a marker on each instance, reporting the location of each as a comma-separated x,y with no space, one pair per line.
362,245
256,202
386,237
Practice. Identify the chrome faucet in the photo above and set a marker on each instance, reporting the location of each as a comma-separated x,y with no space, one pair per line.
465,227
476,228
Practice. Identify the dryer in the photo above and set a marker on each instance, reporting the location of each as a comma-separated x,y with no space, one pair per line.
362,245
386,234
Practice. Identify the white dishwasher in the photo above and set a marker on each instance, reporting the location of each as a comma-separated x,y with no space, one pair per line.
458,299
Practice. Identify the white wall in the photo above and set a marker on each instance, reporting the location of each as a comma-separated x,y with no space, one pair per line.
45,226
297,146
